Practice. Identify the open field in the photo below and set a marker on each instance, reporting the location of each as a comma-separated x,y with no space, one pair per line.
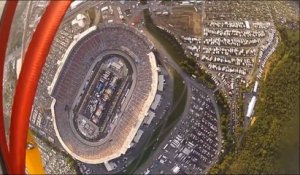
183,21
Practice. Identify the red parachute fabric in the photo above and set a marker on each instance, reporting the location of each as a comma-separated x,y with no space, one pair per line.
35,58
5,25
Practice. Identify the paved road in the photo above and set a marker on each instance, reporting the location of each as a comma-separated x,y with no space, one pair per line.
164,54
156,153
186,77
189,83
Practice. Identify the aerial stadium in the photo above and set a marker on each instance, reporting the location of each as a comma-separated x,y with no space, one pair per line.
102,91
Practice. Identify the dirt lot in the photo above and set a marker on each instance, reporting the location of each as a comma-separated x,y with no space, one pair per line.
183,21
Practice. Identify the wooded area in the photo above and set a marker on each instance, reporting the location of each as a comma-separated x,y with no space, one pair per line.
271,145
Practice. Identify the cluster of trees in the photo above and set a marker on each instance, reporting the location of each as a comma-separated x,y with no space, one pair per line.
173,47
228,145
239,125
190,67
143,2
271,145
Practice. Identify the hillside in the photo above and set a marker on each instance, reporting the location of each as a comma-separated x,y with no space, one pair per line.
271,145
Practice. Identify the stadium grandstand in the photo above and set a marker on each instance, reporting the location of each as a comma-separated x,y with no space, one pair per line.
92,47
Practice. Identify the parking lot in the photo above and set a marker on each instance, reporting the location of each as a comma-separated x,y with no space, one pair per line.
193,144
